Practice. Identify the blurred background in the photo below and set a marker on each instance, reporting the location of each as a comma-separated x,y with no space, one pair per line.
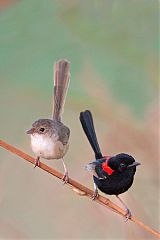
112,46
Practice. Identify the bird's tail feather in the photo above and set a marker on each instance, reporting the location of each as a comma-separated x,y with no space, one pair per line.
61,83
88,127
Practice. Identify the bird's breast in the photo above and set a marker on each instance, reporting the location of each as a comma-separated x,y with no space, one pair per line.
116,183
47,147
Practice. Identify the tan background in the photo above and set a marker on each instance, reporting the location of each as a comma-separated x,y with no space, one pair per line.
112,46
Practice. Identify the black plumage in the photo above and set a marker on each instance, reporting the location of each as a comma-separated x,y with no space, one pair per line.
112,175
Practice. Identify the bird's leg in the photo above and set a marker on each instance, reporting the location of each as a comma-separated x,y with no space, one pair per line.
128,212
96,194
37,162
65,177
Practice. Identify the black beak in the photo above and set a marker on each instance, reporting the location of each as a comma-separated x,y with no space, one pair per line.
134,164
30,131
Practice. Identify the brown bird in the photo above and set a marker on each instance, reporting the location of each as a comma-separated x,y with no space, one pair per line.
49,137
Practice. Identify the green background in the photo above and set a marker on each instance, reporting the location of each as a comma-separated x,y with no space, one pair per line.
113,50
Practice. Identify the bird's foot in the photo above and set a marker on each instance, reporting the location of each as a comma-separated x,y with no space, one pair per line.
128,212
37,162
127,215
65,178
95,194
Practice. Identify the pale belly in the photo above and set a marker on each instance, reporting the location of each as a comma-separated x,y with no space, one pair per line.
47,147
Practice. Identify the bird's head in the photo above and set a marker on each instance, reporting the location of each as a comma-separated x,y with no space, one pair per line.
122,162
41,127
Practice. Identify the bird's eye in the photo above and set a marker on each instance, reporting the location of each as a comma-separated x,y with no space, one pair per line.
41,129
123,165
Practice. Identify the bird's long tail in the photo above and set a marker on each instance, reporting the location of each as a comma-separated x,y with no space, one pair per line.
61,83
88,127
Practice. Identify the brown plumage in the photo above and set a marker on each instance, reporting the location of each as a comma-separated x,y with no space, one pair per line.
61,82
50,137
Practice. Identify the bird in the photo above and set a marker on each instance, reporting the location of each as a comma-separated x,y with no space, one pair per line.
112,175
50,137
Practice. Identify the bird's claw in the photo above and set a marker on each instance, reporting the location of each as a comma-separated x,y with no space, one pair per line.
37,162
95,195
127,215
65,178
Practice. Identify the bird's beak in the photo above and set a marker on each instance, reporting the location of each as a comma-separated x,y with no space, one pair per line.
30,131
134,164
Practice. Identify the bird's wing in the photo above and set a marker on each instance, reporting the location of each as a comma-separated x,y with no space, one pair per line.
95,168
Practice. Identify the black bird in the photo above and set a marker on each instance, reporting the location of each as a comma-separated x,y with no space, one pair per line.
112,175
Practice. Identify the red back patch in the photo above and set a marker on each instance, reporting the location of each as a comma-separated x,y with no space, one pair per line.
105,166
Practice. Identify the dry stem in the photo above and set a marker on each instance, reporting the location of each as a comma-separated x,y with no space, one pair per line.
79,188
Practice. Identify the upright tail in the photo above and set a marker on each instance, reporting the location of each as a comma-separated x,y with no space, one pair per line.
61,83
88,127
